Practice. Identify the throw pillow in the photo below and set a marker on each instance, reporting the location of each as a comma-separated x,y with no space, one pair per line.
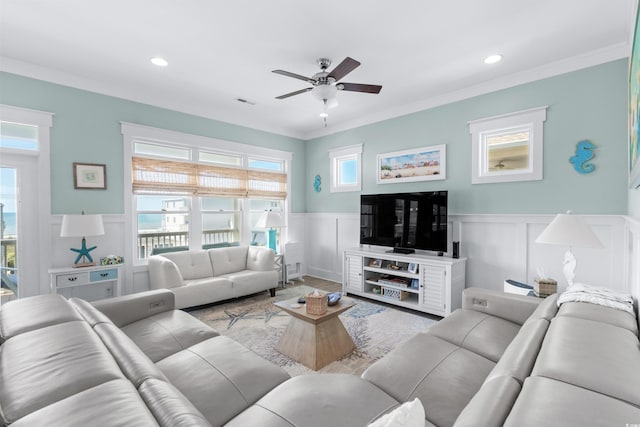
409,414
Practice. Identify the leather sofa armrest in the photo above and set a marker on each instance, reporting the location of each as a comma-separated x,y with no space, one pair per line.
511,307
127,309
163,273
260,259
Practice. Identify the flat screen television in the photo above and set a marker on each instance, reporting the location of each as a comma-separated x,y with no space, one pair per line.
405,221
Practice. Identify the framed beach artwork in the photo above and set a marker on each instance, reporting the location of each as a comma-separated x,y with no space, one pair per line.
422,164
89,176
634,109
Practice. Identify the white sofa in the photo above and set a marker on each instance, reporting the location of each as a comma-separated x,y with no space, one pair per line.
206,276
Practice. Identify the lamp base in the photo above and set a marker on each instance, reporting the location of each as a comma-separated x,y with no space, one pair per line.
83,264
272,240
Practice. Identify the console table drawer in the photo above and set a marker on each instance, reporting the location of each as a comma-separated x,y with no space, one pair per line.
72,279
97,276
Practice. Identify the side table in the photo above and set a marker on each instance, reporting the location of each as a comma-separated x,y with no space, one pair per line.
278,265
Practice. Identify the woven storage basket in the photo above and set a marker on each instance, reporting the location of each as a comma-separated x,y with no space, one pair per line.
317,305
395,294
545,287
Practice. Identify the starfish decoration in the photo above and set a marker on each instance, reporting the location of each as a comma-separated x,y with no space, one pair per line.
83,252
234,317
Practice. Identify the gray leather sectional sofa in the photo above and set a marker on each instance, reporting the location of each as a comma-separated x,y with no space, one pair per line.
500,360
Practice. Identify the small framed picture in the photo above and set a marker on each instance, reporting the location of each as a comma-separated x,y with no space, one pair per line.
89,176
413,268
376,263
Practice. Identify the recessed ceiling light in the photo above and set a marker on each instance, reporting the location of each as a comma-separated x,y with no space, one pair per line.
160,62
492,59
324,115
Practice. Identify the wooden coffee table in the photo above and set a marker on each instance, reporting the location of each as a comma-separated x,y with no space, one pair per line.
315,340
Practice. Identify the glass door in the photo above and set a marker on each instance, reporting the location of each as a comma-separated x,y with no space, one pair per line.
8,234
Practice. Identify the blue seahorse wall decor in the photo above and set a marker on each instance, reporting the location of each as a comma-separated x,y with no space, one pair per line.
584,153
316,183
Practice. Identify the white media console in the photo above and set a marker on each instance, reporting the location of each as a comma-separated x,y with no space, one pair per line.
431,284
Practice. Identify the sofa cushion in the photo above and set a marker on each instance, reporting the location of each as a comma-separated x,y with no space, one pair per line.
167,333
228,260
491,405
169,406
114,403
592,355
547,402
518,359
203,291
599,313
24,315
250,282
221,377
442,375
136,366
259,259
318,401
192,264
481,333
46,365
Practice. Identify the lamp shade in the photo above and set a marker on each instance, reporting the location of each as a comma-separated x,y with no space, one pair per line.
81,226
269,219
569,230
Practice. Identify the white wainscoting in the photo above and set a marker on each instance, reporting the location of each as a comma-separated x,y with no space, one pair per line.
633,266
497,247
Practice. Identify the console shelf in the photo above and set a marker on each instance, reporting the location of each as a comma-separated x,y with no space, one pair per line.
430,284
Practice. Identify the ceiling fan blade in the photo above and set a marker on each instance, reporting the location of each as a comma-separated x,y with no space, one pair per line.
295,76
298,92
344,68
358,87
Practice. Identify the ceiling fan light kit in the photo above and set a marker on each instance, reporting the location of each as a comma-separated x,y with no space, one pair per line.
325,84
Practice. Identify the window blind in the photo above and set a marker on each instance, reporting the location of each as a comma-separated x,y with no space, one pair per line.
161,176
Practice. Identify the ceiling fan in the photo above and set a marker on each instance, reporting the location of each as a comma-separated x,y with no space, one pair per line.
325,83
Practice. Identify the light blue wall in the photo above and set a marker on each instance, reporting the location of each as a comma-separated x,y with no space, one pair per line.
586,104
634,203
86,128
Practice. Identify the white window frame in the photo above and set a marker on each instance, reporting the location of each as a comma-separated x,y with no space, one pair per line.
134,132
531,121
336,157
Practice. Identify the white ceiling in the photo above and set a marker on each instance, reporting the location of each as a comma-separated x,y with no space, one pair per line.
423,52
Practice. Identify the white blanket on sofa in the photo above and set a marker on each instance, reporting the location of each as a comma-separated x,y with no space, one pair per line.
601,296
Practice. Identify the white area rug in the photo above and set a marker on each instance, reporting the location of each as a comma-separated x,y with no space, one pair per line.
257,324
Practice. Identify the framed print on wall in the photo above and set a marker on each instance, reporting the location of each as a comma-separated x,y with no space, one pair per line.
634,109
89,176
422,164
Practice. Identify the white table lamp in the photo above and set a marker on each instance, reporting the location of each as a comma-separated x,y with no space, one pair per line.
569,230
270,220
82,226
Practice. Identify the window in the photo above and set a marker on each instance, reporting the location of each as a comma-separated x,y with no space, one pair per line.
193,192
346,168
221,220
18,136
508,148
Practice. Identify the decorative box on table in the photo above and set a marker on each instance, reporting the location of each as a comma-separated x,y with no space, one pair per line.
545,287
317,303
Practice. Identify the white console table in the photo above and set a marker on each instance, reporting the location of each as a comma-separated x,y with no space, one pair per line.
90,283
